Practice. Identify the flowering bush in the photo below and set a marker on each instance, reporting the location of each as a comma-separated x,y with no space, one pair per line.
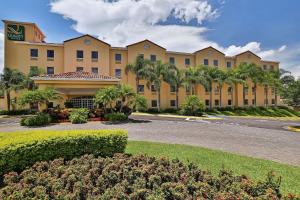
125,177
79,116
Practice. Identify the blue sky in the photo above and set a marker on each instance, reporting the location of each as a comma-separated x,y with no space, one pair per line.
270,28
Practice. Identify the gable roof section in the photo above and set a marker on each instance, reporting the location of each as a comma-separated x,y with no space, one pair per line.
86,76
247,52
146,40
210,47
86,35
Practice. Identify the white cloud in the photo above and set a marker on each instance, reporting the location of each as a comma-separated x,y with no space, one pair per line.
123,22
1,50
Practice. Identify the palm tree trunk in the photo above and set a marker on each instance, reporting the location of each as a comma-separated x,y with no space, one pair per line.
220,95
255,87
266,104
275,97
137,82
177,98
8,100
232,97
210,96
244,95
158,99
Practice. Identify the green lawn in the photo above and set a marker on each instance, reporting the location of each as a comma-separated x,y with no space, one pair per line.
213,161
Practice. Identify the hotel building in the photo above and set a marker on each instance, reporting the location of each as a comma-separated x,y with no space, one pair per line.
80,66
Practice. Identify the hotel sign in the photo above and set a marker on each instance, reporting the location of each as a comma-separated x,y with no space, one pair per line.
15,32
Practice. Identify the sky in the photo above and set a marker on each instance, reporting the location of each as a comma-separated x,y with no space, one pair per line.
269,28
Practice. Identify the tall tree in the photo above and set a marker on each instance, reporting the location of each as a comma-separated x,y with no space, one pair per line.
34,71
10,80
194,76
211,75
221,80
232,80
176,78
242,73
256,75
126,95
154,75
137,68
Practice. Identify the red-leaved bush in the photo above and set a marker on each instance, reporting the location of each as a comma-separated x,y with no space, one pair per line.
132,177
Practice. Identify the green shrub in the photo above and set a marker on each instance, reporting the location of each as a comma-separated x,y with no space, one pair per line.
114,117
21,149
40,119
138,177
79,116
192,106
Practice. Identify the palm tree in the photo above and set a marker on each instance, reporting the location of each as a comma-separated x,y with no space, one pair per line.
126,95
154,75
231,80
11,79
176,78
107,97
221,80
242,74
137,68
34,71
211,75
256,74
194,76
272,78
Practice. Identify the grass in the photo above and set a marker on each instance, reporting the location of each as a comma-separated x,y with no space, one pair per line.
214,160
271,112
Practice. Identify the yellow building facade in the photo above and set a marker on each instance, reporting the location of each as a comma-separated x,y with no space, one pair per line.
80,66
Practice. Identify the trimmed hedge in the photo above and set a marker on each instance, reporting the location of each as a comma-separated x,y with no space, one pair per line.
40,119
134,177
21,149
116,117
17,112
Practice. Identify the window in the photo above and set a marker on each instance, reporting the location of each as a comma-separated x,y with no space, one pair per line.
172,88
118,73
50,70
141,56
265,67
79,69
273,101
172,60
154,103
217,102
187,61
253,102
187,89
34,53
246,90
271,67
141,88
206,102
50,53
246,102
94,55
228,64
95,70
172,103
153,89
153,58
253,90
79,54
205,62
229,90
216,63
118,58
229,103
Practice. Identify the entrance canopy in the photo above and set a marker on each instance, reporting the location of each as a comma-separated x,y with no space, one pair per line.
75,83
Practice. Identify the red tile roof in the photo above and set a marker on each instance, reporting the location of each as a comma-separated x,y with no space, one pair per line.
75,76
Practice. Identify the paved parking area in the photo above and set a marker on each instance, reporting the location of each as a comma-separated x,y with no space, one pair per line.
237,137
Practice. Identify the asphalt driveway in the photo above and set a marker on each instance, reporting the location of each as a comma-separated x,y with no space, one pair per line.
231,136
